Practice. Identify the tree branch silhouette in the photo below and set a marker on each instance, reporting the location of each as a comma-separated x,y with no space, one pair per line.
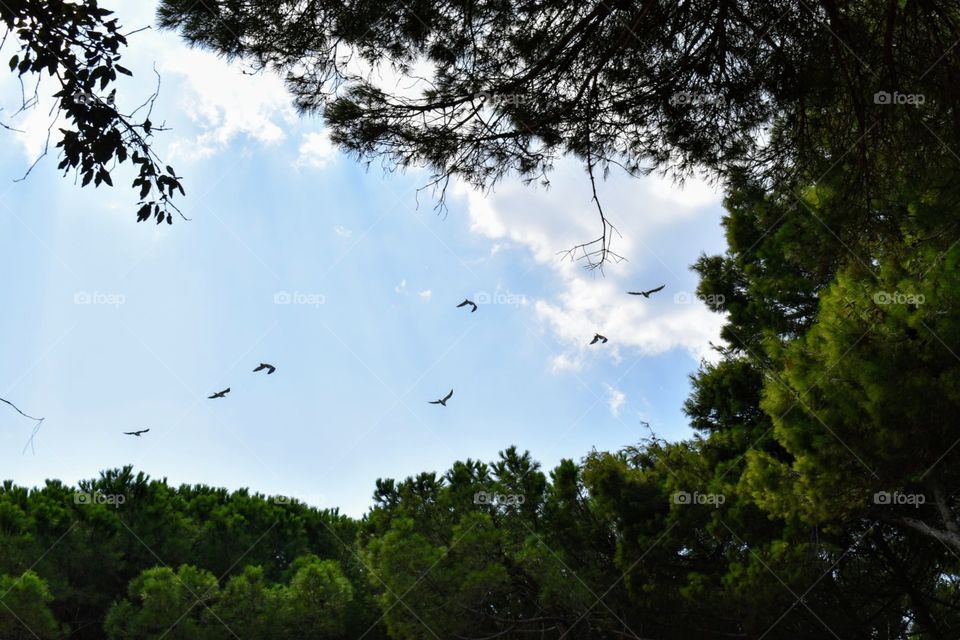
36,428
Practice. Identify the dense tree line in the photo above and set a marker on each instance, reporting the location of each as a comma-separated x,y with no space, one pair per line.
137,554
655,541
819,498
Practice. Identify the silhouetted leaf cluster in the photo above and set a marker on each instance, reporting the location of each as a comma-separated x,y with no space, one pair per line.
78,45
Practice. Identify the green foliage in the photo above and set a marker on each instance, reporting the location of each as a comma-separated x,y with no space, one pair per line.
316,603
831,407
189,603
91,542
24,608
164,603
493,549
248,602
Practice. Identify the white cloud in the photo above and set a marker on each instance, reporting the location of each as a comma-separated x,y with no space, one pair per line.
401,287
426,294
316,151
223,102
694,192
32,130
615,400
31,125
204,100
342,231
664,228
567,361
385,75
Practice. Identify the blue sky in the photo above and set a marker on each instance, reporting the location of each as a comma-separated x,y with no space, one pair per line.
110,325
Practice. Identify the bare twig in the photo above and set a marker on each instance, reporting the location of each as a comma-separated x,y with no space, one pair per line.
9,128
43,154
136,31
597,252
36,428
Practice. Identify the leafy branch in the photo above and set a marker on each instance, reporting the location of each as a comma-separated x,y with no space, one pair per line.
78,45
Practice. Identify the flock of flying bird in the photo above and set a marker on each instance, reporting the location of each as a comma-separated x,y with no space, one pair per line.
269,368
596,338
646,294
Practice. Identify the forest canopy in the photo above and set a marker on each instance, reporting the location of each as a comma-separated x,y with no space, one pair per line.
819,496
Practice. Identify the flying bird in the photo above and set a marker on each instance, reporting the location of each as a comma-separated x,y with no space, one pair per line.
136,433
646,294
443,401
468,302
263,365
220,394
598,338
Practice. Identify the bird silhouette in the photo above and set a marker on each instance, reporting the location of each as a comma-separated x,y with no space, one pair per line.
263,365
136,433
219,394
598,338
468,302
443,401
646,294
